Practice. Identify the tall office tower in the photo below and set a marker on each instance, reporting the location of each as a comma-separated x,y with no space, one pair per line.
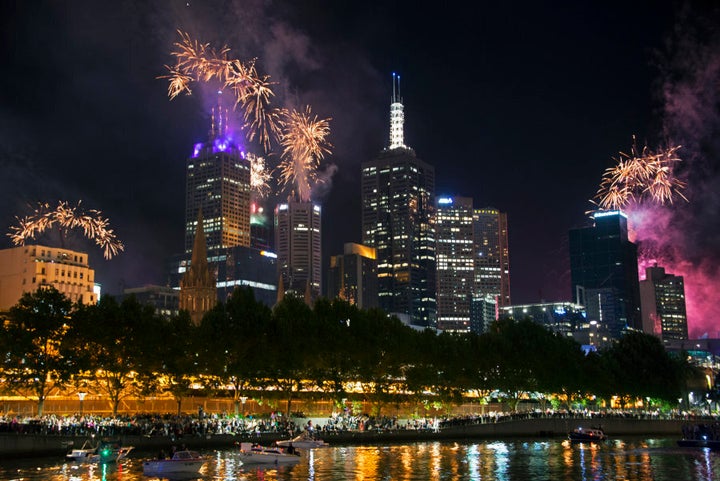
218,182
492,266
353,276
455,262
603,271
29,267
298,247
398,197
662,302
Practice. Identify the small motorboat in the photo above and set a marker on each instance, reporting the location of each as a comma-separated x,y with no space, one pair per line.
303,441
109,452
587,435
182,462
82,454
255,454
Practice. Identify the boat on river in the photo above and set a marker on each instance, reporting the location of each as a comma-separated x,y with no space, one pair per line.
587,435
83,453
254,454
182,462
303,441
109,452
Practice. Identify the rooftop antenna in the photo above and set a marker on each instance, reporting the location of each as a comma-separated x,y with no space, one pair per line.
397,116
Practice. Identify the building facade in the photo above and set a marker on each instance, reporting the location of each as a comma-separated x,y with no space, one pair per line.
197,285
603,270
353,276
662,301
298,242
454,255
29,267
398,198
491,265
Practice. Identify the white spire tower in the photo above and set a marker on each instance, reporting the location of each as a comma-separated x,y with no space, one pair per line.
397,116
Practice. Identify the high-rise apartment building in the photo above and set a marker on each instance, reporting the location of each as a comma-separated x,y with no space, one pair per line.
492,266
29,267
218,182
662,301
398,197
353,276
603,270
455,262
298,247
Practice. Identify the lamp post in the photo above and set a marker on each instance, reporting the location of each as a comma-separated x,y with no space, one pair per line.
243,400
81,397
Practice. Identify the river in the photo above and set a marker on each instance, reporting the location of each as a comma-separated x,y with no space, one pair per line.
631,459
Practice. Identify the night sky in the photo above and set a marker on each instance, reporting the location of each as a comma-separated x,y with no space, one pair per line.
518,105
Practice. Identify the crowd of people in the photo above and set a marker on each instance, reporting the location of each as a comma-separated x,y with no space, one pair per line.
202,424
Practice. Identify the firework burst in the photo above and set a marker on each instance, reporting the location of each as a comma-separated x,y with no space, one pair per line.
304,142
638,176
67,217
259,175
198,62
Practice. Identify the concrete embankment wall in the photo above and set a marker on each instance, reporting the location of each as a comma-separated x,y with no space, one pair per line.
28,445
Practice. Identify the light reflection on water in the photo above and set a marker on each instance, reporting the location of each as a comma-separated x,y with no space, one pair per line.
631,460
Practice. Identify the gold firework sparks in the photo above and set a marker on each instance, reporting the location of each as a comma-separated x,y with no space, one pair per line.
199,62
638,176
303,138
67,217
259,175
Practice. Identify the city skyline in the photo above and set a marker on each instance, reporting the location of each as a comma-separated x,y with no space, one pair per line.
521,108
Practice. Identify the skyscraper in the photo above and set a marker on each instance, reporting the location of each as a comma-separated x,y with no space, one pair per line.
398,197
662,300
298,247
455,262
353,276
218,182
603,270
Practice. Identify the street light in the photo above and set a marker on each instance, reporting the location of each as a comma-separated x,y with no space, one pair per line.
243,400
81,397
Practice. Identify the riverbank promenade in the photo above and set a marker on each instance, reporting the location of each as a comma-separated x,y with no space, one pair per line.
55,436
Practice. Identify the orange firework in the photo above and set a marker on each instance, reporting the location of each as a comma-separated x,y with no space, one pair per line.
304,141
199,62
638,176
65,217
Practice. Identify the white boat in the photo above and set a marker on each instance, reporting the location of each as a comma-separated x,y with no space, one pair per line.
302,441
82,454
254,454
587,434
182,462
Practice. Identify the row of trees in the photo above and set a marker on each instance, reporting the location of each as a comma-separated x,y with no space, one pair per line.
242,347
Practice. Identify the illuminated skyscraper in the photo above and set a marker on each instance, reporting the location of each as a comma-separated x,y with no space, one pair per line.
353,276
455,262
298,247
398,197
603,270
218,182
492,264
662,300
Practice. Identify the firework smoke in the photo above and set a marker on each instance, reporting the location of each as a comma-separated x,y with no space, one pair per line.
304,141
65,217
684,237
198,62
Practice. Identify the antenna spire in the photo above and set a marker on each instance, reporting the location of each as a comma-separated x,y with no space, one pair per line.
397,115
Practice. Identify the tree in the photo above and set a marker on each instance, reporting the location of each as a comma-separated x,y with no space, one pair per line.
118,341
37,327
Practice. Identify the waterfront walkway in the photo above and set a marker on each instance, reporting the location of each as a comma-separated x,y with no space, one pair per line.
54,435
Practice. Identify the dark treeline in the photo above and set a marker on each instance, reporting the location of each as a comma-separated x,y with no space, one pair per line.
241,347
